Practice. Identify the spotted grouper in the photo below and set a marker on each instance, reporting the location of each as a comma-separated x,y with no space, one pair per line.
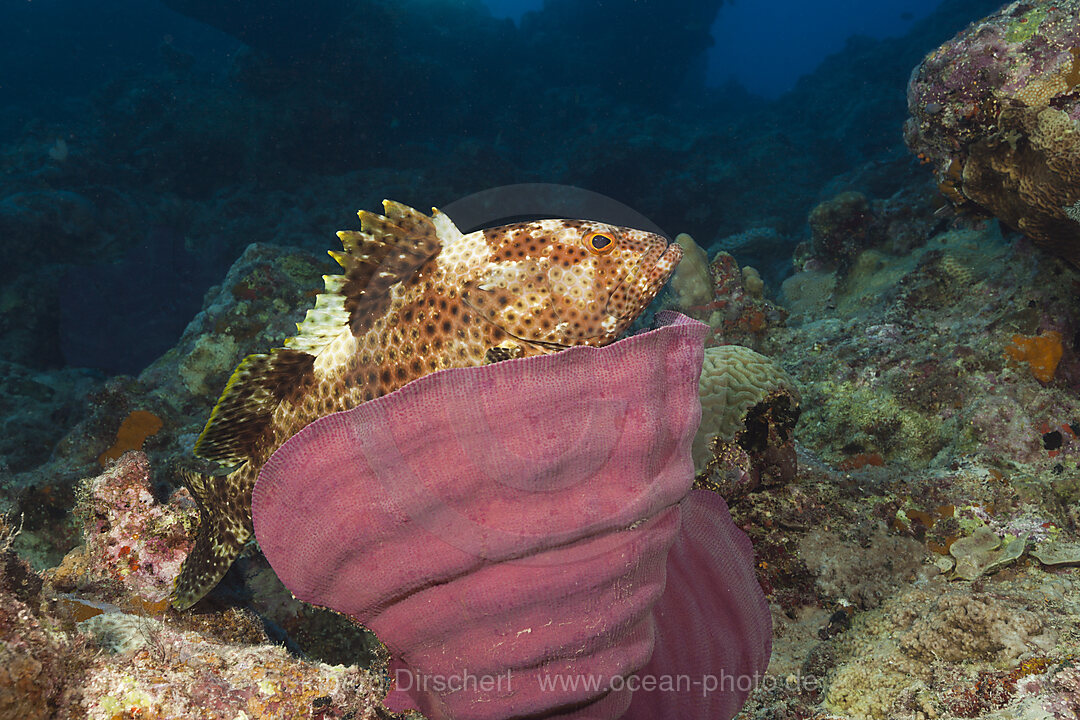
416,296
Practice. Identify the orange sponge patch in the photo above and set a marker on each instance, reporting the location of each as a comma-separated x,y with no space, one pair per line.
137,426
1042,353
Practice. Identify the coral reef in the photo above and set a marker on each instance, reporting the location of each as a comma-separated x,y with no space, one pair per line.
957,626
901,671
218,680
39,662
921,566
841,228
924,449
739,312
994,110
933,445
96,640
761,247
133,545
863,571
730,299
901,399
763,453
1065,701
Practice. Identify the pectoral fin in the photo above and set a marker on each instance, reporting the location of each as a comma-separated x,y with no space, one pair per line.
503,351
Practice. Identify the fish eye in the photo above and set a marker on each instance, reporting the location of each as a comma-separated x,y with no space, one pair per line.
599,243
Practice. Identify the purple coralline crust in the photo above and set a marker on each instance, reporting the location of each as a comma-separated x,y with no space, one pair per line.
995,110
130,538
1064,703
958,90
38,662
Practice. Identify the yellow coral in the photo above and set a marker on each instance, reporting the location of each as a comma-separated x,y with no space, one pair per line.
733,379
755,286
691,283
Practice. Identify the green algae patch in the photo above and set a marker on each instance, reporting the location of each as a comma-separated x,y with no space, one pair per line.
847,413
1025,26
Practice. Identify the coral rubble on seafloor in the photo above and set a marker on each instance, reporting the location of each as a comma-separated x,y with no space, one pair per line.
924,563
95,639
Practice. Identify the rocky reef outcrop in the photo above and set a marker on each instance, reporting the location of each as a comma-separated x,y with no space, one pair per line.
996,112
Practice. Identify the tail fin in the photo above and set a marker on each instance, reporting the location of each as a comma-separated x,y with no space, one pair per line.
224,529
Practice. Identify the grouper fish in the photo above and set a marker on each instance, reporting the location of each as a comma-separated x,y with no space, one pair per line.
416,296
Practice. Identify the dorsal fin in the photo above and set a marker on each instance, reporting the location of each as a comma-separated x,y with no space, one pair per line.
242,414
386,250
325,321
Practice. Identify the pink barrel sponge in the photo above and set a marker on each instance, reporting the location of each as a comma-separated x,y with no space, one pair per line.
505,530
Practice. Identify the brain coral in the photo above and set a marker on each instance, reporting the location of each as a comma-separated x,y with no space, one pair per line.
996,111
733,379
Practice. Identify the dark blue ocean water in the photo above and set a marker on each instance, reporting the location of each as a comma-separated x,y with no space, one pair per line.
65,45
145,144
767,46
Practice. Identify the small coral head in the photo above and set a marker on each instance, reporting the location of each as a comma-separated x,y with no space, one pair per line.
569,282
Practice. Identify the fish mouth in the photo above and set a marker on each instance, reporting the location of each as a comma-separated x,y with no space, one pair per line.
645,279
667,263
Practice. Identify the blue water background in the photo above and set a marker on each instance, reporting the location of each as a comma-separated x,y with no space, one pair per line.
767,46
49,48
166,171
